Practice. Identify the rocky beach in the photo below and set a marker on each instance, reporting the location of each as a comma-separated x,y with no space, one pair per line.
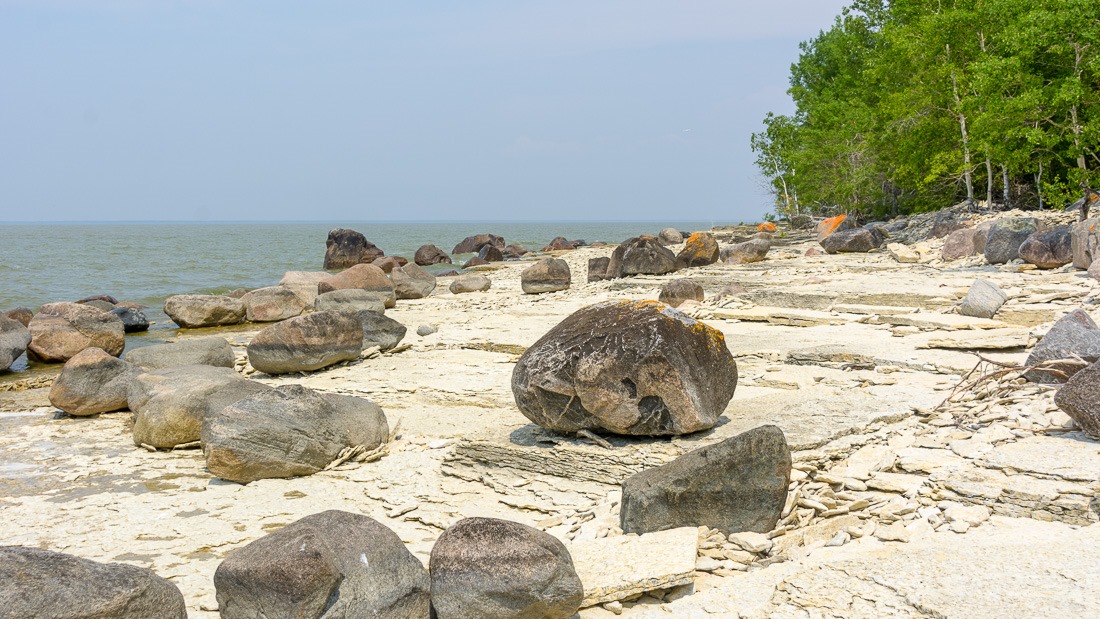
893,419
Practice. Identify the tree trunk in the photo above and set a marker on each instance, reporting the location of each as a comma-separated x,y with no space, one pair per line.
965,140
988,183
1004,180
1039,184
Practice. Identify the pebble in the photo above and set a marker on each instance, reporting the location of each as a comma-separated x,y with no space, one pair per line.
424,330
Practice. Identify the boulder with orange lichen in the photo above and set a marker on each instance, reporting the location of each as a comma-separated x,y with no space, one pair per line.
700,249
626,367
826,227
767,226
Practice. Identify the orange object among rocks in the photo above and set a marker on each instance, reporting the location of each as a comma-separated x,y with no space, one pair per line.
767,226
831,225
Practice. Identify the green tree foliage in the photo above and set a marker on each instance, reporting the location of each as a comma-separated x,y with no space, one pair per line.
912,105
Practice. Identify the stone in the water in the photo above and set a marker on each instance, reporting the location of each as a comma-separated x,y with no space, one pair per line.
22,315
472,282
546,275
597,269
133,320
641,255
476,261
1074,335
700,249
92,382
379,330
739,484
490,253
1085,242
473,244
345,248
983,300
211,350
748,252
856,240
330,564
514,251
99,304
670,236
272,304
1048,250
204,310
677,291
307,343
1080,399
289,431
627,367
425,330
363,277
1005,237
412,282
40,584
14,338
61,330
350,300
497,569
169,404
430,254
560,243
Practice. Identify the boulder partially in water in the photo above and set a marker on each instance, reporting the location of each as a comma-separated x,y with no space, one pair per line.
133,320
59,331
430,254
473,244
204,310
345,248
14,338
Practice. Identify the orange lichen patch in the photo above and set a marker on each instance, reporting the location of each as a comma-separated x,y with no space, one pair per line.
767,226
830,225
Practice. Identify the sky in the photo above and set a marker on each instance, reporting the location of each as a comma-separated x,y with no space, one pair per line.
485,110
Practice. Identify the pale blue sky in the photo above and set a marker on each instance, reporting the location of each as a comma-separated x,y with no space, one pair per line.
332,110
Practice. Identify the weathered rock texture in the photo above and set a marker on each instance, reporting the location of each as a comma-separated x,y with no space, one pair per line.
327,565
677,291
560,243
287,432
345,248
982,300
304,283
700,249
211,350
92,382
473,244
546,275
133,320
1080,399
1085,242
670,236
471,282
1006,236
412,282
752,250
737,485
40,584
204,310
597,269
430,254
307,343
642,255
628,367
1075,335
14,338
497,569
389,263
826,227
379,330
1048,250
22,315
61,330
350,300
272,304
364,277
858,240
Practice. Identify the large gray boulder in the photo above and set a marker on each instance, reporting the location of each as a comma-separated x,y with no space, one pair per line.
14,338
1074,336
272,304
327,565
169,404
307,343
192,311
752,250
133,320
497,569
40,584
471,282
1085,242
61,330
983,300
739,484
627,367
597,269
289,431
412,282
856,240
362,277
92,382
670,236
1080,399
350,300
1048,249
642,255
209,350
1006,236
677,291
345,248
546,275
381,331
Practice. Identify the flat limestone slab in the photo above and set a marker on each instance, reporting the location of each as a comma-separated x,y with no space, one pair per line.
1070,457
994,339
616,568
781,316
945,322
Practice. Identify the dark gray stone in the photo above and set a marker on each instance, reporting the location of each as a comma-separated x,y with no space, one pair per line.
133,320
1005,237
1050,249
497,569
677,291
982,300
381,331
327,565
345,248
627,367
597,269
753,250
1075,335
856,240
490,253
211,350
546,275
739,484
14,338
1080,399
641,255
92,382
430,254
307,343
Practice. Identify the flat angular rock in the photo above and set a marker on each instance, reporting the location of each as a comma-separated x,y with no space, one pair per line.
272,304
351,300
14,338
211,350
546,275
627,367
381,331
1080,399
345,248
169,404
329,564
858,240
1048,249
287,432
1085,242
753,250
471,282
1006,236
363,277
700,249
92,382
903,253
982,300
40,584
677,291
61,330
412,282
739,484
192,311
430,254
497,569
641,255
623,566
307,343
1074,335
